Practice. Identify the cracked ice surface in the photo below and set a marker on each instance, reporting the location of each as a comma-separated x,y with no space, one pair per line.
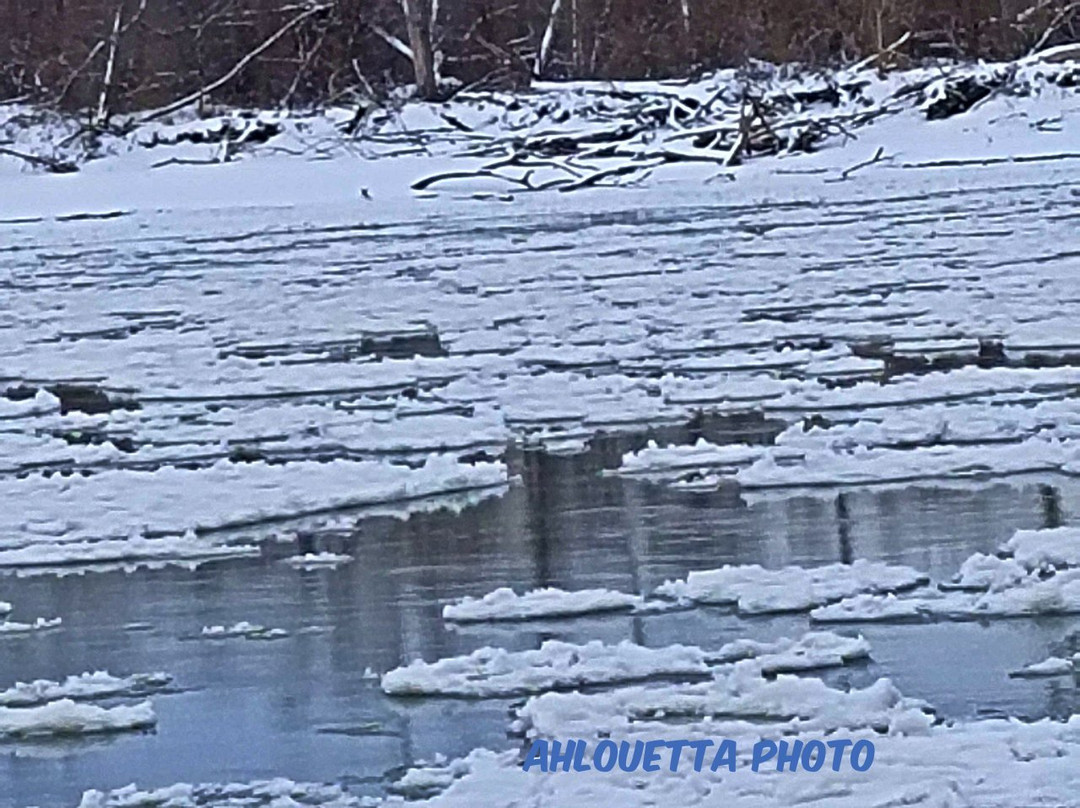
201,330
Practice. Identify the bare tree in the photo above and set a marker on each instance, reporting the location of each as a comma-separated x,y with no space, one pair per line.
544,51
419,19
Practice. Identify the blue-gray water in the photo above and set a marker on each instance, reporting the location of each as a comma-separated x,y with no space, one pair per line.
302,708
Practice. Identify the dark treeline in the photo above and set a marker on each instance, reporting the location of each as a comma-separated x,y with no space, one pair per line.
108,56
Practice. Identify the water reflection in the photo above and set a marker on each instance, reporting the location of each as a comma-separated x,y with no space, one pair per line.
303,707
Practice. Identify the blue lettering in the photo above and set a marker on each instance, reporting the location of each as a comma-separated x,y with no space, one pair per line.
763,751
635,761
838,748
725,756
652,756
866,749
789,758
537,756
560,758
813,756
605,746
699,748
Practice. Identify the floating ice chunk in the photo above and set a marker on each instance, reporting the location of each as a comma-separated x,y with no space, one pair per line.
39,624
41,402
187,548
1039,549
426,781
1052,666
859,465
739,695
244,630
312,561
987,572
657,460
756,590
1029,596
96,685
278,793
505,604
868,608
812,651
5,607
496,672
113,505
68,717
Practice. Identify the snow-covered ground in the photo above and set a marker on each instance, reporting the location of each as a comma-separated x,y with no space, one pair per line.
197,350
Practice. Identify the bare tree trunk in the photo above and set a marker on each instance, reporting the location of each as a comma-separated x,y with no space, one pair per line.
101,114
418,23
549,35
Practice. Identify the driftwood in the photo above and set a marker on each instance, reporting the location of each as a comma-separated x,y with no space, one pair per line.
53,165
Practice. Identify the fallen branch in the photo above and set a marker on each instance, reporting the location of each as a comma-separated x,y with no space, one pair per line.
878,157
53,165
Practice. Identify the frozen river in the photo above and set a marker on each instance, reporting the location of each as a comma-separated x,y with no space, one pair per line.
186,369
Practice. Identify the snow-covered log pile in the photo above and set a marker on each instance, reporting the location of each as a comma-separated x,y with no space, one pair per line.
564,137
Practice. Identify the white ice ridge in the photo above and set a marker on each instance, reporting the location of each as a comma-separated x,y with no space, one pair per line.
90,685
243,630
496,672
505,604
312,561
277,793
118,504
1041,578
68,717
756,590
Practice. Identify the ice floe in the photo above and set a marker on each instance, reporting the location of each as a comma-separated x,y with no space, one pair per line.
312,561
68,717
505,604
786,704
556,665
1038,579
188,549
496,672
39,624
1051,666
242,630
755,590
277,793
85,686
114,505
1039,549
